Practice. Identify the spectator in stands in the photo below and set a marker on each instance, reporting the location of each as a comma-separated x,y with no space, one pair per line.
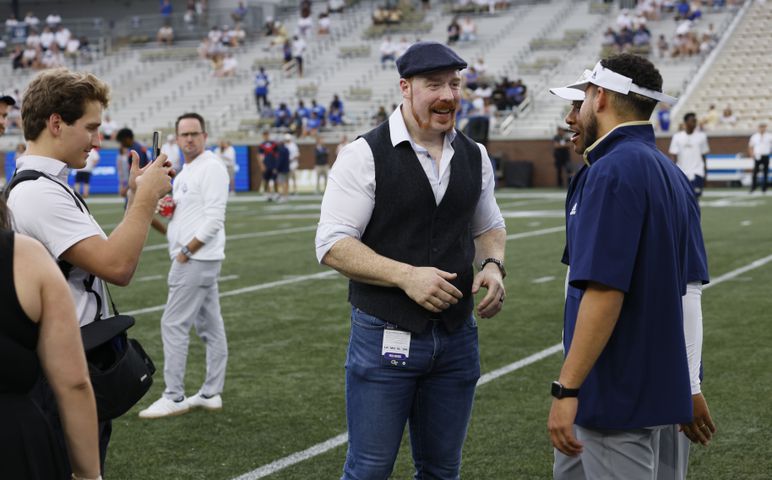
710,119
388,51
47,38
283,116
642,37
728,118
325,23
239,13
336,113
53,20
302,114
189,17
516,93
759,149
624,20
312,126
320,111
166,9
298,50
31,20
663,117
238,35
454,31
688,149
62,35
380,116
229,65
402,46
52,57
305,24
165,35
261,89
468,29
662,46
471,77
625,39
336,6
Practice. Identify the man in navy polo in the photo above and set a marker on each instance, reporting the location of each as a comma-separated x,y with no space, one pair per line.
408,247
630,249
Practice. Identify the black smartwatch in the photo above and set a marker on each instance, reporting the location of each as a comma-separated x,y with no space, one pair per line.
498,263
559,391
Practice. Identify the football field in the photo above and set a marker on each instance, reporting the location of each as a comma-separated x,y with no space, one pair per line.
287,322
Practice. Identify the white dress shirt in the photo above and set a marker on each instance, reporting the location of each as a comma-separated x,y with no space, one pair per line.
349,198
46,212
760,144
200,194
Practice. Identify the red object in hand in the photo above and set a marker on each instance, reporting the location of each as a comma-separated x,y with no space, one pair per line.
166,206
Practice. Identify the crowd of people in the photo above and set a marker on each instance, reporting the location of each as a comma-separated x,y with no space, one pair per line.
37,45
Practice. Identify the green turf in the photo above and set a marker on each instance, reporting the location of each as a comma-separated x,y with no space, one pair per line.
284,389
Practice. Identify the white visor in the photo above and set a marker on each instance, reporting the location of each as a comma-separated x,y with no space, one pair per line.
572,93
610,80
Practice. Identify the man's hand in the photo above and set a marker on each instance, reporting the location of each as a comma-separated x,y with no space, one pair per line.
182,258
561,426
156,176
490,278
431,288
701,428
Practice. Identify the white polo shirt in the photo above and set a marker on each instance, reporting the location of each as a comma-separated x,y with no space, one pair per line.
689,150
761,144
45,211
349,198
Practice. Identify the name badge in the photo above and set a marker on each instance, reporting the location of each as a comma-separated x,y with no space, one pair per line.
396,347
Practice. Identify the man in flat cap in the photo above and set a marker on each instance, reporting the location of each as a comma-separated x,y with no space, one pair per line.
409,247
632,328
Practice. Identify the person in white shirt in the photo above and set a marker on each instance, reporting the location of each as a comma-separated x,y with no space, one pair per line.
759,148
388,51
298,48
688,149
83,176
47,38
227,154
196,235
109,127
61,125
294,162
172,151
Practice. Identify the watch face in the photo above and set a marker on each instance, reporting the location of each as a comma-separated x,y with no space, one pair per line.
557,390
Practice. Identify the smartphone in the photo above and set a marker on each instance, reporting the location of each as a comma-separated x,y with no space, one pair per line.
156,144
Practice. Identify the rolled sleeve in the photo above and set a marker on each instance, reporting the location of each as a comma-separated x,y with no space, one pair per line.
487,215
214,192
349,198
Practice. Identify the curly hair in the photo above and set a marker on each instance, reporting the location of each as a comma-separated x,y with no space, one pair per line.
59,91
644,74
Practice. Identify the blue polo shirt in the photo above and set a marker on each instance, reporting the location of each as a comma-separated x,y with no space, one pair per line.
628,227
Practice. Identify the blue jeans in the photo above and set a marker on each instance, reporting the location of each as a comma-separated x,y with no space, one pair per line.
434,391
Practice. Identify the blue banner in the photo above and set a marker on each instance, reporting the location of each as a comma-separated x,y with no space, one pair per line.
104,178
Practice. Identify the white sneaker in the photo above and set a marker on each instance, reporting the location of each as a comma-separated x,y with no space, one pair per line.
163,407
199,401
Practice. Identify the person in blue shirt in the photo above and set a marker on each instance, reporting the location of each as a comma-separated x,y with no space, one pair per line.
629,248
261,89
320,111
282,116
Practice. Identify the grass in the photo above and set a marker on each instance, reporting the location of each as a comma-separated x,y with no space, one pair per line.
284,387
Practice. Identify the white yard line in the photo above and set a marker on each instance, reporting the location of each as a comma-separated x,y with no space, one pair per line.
543,279
242,236
341,439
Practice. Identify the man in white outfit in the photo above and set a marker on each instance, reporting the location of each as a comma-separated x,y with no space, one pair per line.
688,149
196,235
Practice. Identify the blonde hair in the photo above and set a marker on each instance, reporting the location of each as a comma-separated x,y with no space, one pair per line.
59,91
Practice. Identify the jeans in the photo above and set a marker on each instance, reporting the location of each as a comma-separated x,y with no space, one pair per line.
433,391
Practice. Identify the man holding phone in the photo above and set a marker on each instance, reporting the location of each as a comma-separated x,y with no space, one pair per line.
61,113
196,234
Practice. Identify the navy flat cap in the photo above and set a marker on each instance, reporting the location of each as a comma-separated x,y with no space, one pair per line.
423,57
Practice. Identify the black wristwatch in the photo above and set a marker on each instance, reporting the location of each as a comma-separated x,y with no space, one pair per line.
186,251
498,263
559,391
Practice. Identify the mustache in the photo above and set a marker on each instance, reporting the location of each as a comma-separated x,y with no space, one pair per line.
444,105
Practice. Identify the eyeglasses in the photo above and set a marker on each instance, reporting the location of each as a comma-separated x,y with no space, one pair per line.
190,134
